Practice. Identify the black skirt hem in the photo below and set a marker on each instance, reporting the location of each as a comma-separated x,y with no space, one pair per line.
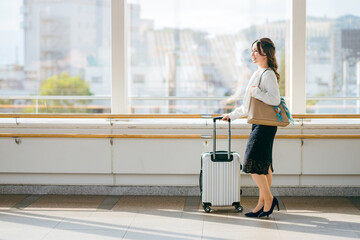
259,172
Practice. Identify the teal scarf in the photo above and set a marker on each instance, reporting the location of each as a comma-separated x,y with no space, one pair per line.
278,111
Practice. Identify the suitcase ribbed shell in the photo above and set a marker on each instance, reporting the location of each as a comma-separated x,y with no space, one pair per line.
220,181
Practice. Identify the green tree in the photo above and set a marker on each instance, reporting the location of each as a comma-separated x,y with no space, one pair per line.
63,85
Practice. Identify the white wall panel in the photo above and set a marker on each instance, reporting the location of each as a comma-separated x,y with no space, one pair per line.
157,179
51,155
56,179
330,180
331,156
287,156
169,156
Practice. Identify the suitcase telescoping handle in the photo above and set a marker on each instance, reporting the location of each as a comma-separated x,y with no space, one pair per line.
229,137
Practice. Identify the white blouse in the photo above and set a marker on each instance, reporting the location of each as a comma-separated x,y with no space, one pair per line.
268,92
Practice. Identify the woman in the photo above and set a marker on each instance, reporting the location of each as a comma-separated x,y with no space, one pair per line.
258,154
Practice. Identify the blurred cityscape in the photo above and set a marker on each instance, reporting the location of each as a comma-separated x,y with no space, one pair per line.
71,37
171,70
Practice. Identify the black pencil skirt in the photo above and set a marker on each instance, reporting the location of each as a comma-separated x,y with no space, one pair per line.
258,154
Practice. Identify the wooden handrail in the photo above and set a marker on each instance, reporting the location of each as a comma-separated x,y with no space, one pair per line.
309,116
102,116
176,136
155,116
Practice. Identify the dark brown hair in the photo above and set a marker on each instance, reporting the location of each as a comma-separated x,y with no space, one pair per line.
268,49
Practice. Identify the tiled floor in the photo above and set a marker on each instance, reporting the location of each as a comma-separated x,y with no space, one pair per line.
33,217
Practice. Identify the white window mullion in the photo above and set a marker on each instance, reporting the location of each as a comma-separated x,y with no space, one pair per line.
298,57
119,93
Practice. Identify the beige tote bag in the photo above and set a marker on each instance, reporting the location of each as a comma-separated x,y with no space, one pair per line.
263,114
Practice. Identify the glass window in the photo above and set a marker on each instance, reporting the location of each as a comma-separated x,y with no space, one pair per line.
333,56
55,56
194,56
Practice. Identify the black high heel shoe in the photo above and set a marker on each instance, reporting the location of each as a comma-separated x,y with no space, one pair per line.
254,214
275,202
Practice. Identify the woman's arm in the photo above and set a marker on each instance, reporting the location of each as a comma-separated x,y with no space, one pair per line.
238,112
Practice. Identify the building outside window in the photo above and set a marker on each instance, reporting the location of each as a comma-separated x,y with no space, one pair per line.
333,56
195,55
50,54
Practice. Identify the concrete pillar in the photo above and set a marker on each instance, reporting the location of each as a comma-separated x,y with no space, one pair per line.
298,57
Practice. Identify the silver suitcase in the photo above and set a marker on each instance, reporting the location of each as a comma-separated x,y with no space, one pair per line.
220,176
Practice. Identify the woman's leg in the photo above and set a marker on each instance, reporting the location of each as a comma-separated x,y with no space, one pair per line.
269,176
260,203
262,183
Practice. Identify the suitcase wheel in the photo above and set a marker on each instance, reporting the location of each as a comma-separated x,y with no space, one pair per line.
239,208
206,208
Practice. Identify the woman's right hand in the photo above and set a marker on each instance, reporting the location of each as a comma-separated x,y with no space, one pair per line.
225,117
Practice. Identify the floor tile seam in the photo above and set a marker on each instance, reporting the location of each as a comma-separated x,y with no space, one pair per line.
277,227
202,230
52,229
164,232
17,201
191,203
322,228
281,204
357,233
56,219
354,201
91,225
129,226
110,200
27,201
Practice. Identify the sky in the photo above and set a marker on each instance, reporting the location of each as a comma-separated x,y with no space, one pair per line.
332,8
228,17
11,35
232,14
